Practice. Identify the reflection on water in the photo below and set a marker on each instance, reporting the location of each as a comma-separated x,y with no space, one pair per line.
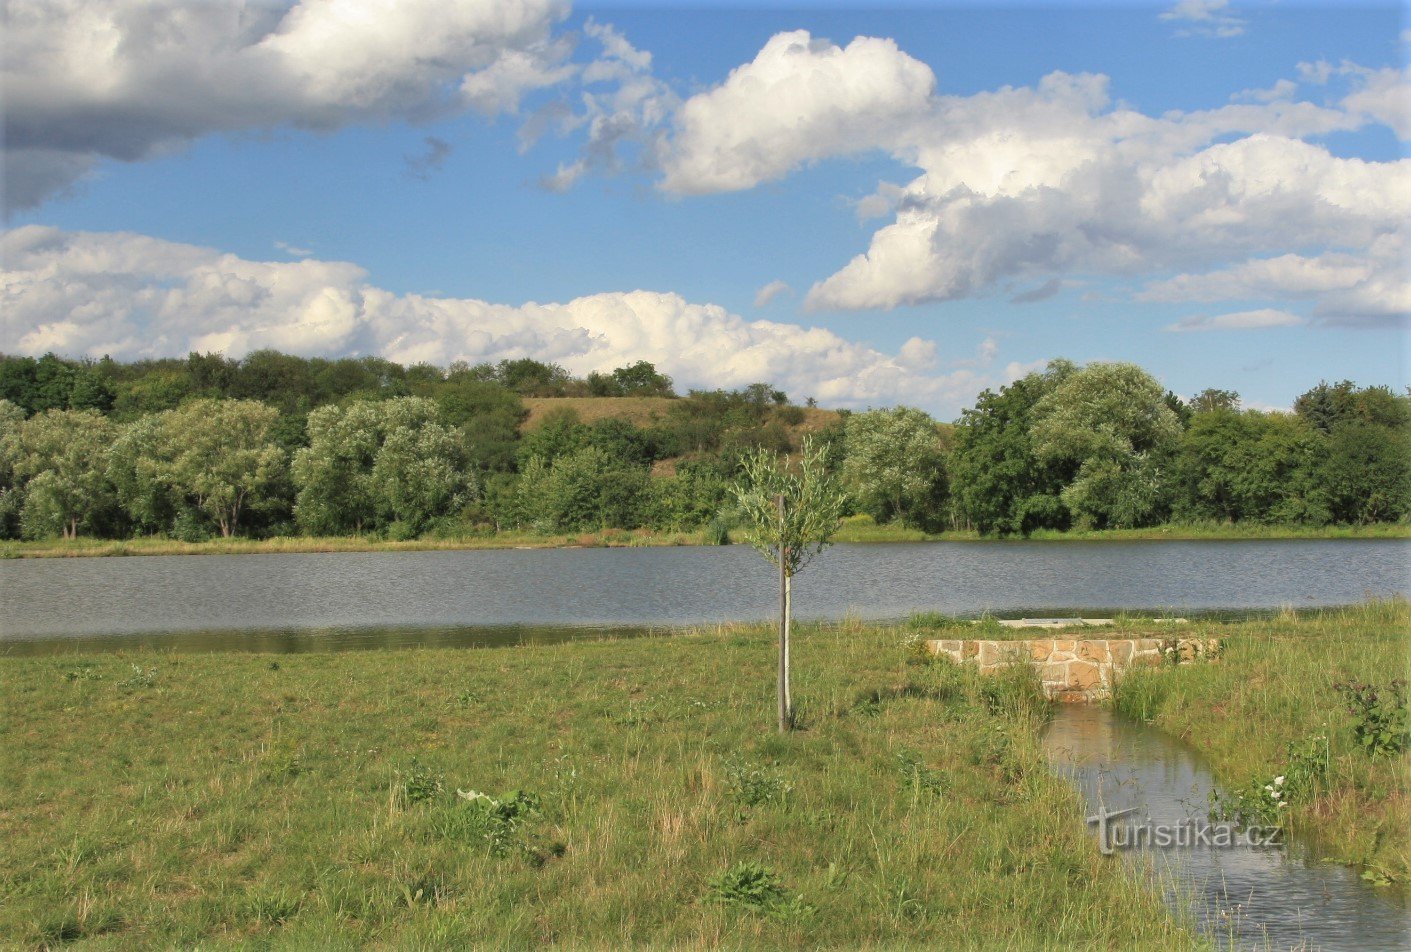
1253,897
66,598
300,640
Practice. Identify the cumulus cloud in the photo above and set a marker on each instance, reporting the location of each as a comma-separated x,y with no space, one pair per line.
1204,18
1238,321
800,99
1021,186
133,296
1027,184
128,79
769,292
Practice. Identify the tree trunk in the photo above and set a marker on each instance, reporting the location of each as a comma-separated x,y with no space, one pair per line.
788,645
785,713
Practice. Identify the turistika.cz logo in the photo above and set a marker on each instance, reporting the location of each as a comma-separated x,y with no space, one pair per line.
1187,834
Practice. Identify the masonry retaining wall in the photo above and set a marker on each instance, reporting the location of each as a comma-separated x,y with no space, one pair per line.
1078,669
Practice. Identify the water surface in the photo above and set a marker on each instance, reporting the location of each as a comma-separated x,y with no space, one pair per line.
653,587
1255,898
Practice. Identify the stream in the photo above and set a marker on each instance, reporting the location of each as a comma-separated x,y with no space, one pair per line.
1242,896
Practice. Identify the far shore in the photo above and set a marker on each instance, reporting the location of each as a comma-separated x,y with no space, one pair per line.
858,530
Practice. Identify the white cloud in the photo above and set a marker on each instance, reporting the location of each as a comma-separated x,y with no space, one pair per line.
769,292
1376,95
800,99
1239,320
1384,95
128,79
1205,18
132,296
1023,187
1282,89
1346,288
293,250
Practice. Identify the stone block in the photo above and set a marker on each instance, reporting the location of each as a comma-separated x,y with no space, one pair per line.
1084,675
1040,649
1092,651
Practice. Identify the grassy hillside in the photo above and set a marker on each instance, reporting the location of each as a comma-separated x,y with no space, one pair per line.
639,411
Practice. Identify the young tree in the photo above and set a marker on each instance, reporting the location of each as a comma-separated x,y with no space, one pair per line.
790,516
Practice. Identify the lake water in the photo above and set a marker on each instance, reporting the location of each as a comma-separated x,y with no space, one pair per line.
491,596
1244,897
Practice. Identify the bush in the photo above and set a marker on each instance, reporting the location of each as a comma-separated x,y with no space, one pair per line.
1379,716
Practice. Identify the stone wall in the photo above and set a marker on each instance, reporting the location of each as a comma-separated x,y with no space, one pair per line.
1078,669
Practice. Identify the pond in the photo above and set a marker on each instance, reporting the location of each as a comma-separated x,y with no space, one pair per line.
1243,896
497,596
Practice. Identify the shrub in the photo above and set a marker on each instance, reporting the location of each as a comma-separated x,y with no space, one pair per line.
1380,723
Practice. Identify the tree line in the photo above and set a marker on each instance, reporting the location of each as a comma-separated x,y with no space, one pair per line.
278,445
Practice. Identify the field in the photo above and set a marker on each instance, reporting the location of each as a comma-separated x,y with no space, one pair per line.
636,797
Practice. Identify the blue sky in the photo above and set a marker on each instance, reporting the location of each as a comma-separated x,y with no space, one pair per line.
1215,191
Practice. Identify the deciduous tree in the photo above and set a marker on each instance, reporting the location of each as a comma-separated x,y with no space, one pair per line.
790,516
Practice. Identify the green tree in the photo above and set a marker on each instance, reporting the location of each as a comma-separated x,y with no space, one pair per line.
58,456
642,380
998,483
218,458
487,415
363,465
1367,472
11,497
894,465
1111,422
1210,400
790,516
418,475
1251,466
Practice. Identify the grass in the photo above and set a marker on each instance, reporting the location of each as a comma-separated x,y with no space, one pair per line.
1266,707
616,793
855,529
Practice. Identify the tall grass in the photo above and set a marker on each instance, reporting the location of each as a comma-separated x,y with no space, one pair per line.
1274,687
311,800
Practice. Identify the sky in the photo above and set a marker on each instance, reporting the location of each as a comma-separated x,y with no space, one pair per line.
868,204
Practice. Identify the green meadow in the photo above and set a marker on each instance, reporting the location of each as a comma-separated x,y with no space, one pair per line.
593,795
631,793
